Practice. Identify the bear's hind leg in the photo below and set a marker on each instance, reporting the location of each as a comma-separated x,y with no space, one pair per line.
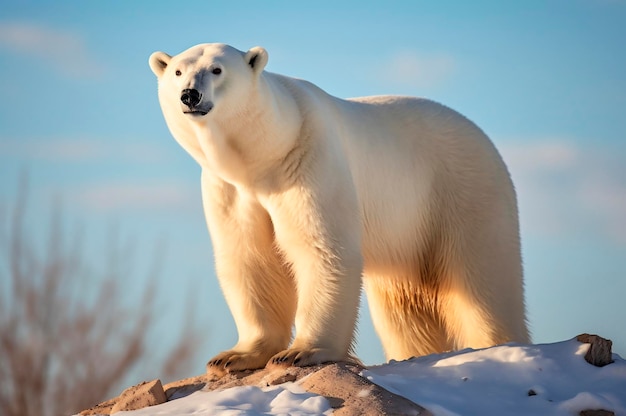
483,318
405,317
469,324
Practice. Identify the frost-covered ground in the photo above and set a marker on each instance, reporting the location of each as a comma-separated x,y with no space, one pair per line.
548,379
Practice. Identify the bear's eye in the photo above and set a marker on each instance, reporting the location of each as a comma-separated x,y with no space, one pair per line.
216,71
178,73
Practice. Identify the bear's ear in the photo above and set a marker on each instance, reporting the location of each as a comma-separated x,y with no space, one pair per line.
257,58
158,62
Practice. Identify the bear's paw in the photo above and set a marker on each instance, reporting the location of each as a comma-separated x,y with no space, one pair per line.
232,361
303,357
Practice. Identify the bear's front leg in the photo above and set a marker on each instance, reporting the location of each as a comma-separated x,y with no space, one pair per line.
318,229
258,287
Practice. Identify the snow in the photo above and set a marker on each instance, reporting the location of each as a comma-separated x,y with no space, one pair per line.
547,379
286,399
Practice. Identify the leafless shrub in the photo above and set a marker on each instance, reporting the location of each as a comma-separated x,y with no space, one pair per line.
63,345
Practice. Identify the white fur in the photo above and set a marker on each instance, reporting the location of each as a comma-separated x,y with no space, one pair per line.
307,196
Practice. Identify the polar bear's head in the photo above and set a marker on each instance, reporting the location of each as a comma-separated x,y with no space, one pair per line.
205,79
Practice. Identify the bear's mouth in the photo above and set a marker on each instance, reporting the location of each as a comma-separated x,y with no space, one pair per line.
197,112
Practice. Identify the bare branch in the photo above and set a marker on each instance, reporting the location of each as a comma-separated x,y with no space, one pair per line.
61,349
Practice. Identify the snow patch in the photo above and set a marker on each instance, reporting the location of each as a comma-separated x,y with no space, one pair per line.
547,379
286,399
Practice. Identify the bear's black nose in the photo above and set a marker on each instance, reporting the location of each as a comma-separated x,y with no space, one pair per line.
190,97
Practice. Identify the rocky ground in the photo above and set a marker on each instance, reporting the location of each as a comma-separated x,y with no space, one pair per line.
341,384
347,392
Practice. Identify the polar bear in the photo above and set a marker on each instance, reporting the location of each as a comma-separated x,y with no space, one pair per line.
309,197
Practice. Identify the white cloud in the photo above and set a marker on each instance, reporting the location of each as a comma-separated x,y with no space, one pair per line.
549,155
604,193
566,188
60,150
81,149
409,68
65,51
147,197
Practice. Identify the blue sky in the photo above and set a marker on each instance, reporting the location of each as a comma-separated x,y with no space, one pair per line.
546,80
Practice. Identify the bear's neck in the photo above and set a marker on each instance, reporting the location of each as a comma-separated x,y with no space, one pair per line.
247,148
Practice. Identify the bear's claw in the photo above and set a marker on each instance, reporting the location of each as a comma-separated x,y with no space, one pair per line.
233,361
302,357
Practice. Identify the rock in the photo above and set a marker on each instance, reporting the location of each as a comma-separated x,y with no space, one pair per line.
103,408
600,412
599,353
148,393
182,388
350,394
283,378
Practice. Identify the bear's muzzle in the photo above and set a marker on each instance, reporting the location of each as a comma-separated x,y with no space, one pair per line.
191,102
